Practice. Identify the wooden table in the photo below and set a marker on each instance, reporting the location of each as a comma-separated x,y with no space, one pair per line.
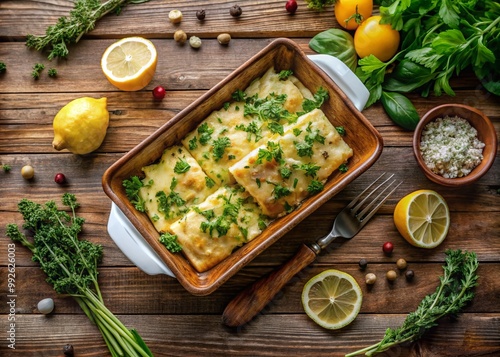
173,322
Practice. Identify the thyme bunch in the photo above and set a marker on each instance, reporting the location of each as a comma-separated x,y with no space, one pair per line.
70,29
71,267
453,293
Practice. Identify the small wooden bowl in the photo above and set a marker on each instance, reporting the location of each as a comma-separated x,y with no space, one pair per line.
485,132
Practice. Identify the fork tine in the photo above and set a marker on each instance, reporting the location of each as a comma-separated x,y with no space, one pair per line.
358,206
355,200
363,216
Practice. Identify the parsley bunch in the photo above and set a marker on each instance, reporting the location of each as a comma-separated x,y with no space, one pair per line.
71,267
454,292
68,30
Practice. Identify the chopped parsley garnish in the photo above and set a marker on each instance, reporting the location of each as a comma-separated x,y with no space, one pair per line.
279,191
284,74
205,133
296,131
269,108
303,148
343,168
223,223
219,146
173,184
311,136
319,98
166,203
170,242
193,143
285,172
226,105
340,130
252,129
315,187
208,214
209,182
273,151
181,167
239,95
132,187
310,169
276,128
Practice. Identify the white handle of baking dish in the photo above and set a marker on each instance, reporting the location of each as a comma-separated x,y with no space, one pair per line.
342,75
133,245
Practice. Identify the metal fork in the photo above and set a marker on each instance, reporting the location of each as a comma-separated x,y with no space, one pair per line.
347,224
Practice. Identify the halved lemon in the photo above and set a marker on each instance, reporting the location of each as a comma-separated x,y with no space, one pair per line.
130,63
332,299
422,218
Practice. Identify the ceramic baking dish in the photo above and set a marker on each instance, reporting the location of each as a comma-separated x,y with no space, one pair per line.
134,233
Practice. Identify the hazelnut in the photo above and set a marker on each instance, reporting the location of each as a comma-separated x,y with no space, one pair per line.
175,16
391,275
370,278
195,42
180,36
224,38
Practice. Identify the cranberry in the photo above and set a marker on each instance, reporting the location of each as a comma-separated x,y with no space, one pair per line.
159,93
291,6
388,247
60,178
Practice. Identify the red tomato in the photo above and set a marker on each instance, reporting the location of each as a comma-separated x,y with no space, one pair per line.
351,13
373,38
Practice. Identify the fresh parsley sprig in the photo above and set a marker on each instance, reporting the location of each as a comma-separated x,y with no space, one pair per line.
453,293
71,267
81,20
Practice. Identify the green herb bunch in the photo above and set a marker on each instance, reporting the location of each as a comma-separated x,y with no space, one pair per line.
440,39
71,267
81,20
452,295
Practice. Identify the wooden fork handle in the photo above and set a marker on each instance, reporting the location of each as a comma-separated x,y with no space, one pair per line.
253,299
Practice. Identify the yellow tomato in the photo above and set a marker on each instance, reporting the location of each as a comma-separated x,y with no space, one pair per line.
374,38
351,13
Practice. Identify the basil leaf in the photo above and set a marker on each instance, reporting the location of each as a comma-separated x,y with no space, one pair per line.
400,109
337,43
408,76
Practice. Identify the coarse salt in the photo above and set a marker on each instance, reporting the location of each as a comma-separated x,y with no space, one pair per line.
450,147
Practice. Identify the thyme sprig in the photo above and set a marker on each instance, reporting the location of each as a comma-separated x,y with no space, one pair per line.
453,293
70,29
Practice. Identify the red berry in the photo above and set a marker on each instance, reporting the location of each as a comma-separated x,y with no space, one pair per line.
60,178
388,247
159,93
291,6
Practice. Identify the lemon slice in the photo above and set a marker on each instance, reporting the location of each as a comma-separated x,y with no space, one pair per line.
422,218
332,299
130,63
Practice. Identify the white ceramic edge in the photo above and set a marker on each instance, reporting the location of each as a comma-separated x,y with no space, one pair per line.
342,75
133,245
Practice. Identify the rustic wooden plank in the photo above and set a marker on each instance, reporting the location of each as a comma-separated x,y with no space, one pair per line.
130,291
285,335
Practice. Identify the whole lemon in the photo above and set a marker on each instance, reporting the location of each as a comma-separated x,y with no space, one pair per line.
81,125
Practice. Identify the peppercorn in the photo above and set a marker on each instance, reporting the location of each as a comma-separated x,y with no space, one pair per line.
175,16
224,38
27,172
180,36
401,264
391,275
291,6
68,350
200,15
409,275
195,42
159,93
370,278
363,263
60,178
235,11
388,247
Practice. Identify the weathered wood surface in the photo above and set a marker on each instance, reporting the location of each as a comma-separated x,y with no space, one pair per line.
173,322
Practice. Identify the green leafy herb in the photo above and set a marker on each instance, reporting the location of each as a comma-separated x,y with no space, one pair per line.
452,295
284,74
166,203
319,5
132,188
279,191
68,30
337,43
193,143
170,242
311,169
71,266
3,67
269,108
340,130
52,72
205,133
318,99
219,146
239,95
304,148
253,129
37,70
6,168
209,182
343,168
400,109
285,172
273,152
181,167
315,187
223,223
